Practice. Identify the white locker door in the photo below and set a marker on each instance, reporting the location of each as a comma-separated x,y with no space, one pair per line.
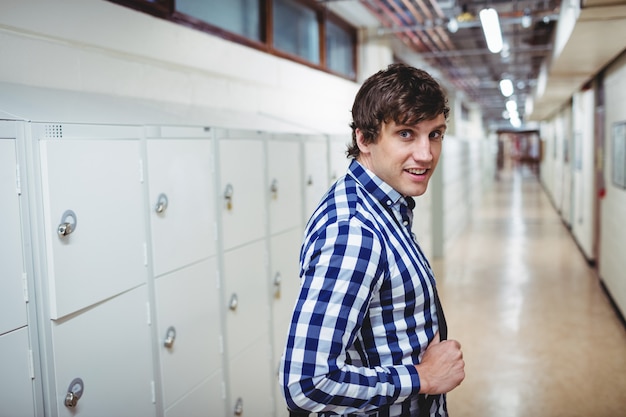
337,154
315,174
188,313
16,385
12,297
247,329
108,347
242,191
209,395
285,251
95,187
285,184
252,381
182,217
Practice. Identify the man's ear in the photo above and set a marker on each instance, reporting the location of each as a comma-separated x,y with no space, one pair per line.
360,141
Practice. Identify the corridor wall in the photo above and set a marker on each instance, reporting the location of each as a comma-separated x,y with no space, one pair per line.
579,142
613,207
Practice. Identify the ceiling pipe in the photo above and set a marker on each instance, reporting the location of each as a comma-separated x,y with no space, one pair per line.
469,24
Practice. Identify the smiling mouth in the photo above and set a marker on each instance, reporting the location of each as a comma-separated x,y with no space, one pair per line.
417,171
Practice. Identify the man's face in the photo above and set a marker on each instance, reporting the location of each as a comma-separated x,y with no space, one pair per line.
404,157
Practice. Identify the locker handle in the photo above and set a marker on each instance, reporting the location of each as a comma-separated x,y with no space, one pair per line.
274,188
234,302
161,204
170,337
74,392
68,224
239,407
228,196
277,284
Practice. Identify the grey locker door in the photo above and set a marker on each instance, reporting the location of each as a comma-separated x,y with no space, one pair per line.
182,216
12,298
285,184
16,385
247,328
109,348
188,312
338,145
284,255
242,191
315,173
93,185
209,394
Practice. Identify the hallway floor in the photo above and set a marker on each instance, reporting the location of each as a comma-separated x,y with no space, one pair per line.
539,335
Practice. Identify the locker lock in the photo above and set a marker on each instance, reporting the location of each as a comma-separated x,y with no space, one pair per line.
161,204
68,224
74,392
239,407
228,196
274,188
170,337
234,302
277,284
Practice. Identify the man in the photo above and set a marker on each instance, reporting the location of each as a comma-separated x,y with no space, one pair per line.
367,333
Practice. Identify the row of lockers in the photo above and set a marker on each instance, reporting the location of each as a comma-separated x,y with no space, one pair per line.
151,270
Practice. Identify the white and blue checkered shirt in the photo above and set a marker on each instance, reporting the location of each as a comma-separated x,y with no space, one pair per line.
366,310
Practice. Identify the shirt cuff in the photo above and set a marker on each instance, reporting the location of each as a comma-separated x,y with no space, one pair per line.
407,382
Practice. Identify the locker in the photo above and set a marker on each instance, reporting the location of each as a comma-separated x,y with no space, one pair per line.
12,290
285,184
284,255
188,313
182,205
315,173
242,190
252,380
207,396
107,347
94,187
338,145
246,288
16,385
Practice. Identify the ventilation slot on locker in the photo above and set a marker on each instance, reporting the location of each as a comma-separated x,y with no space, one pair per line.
53,131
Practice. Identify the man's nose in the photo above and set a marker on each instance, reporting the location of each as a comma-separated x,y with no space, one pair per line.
421,149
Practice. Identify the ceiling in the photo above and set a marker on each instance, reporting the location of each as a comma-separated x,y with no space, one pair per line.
546,63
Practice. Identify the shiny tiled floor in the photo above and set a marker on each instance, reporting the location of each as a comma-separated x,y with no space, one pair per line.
539,336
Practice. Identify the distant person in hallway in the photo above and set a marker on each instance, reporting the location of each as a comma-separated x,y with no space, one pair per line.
368,335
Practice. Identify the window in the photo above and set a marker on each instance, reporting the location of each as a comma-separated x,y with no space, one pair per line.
238,16
340,49
296,30
300,30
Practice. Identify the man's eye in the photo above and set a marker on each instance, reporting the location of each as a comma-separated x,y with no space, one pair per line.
405,134
436,135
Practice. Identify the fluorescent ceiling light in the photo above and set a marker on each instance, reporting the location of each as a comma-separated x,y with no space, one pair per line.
527,19
506,87
491,28
511,106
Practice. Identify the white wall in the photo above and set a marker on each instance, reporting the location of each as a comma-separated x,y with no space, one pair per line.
583,160
100,47
571,185
613,209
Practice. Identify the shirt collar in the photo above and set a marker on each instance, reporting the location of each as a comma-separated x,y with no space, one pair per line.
382,191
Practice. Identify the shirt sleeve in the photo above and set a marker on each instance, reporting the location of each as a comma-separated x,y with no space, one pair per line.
341,267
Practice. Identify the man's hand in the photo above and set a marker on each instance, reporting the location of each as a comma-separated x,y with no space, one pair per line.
442,368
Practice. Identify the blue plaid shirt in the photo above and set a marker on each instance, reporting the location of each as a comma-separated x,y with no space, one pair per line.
366,310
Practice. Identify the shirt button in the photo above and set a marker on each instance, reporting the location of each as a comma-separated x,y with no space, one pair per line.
389,202
405,223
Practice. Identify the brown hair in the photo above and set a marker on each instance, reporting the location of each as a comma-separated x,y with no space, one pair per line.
400,93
